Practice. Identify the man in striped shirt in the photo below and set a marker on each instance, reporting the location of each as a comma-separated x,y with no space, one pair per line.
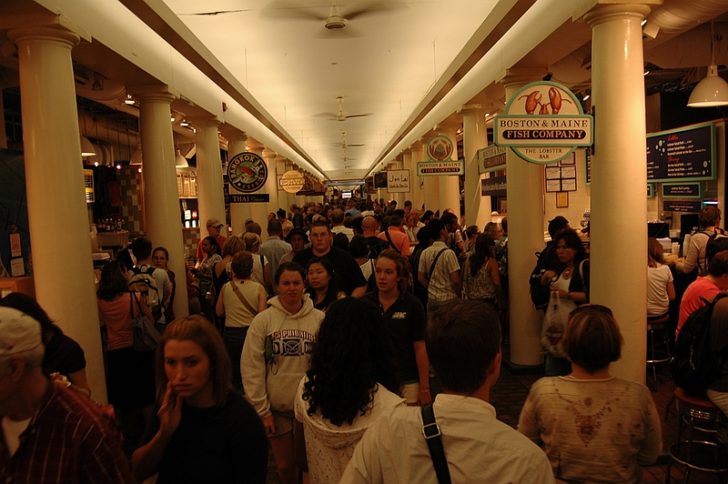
49,433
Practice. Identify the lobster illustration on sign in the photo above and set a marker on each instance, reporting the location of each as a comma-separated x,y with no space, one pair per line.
533,101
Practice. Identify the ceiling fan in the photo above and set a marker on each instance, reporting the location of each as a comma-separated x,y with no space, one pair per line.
215,12
336,19
341,115
343,144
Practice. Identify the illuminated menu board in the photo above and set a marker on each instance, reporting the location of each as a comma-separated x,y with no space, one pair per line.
682,154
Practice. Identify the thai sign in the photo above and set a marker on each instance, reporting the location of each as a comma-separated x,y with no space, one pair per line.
543,122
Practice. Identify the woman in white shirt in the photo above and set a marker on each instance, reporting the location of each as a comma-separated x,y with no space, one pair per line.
350,384
660,286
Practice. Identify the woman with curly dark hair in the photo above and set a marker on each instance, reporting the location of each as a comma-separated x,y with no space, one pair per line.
350,384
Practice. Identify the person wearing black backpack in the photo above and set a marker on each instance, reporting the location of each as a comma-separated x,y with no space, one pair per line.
696,256
718,390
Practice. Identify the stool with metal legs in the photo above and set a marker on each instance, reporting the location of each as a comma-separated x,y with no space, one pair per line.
658,346
698,450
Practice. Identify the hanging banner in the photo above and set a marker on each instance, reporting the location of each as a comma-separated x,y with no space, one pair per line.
491,158
398,181
542,123
440,150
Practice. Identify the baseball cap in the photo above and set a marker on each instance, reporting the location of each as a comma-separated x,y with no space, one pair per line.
213,222
18,332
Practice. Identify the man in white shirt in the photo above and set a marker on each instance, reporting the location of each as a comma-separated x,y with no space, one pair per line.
337,222
463,342
274,248
439,270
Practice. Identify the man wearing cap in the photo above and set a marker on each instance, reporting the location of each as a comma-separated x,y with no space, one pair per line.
214,226
49,433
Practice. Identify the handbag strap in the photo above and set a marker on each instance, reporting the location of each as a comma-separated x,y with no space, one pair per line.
389,238
433,437
242,299
432,266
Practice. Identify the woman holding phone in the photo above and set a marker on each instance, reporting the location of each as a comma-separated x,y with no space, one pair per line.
204,431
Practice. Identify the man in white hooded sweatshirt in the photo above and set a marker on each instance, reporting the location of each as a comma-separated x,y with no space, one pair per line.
276,355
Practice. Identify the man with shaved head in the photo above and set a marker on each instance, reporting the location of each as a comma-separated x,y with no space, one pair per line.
370,229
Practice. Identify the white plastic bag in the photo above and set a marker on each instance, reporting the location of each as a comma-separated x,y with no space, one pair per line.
554,325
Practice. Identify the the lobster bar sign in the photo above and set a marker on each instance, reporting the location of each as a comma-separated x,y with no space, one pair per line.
543,123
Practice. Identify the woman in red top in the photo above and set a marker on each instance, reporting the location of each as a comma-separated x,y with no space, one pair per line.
130,373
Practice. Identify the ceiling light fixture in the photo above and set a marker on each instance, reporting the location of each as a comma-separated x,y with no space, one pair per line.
712,90
87,148
180,161
129,100
586,97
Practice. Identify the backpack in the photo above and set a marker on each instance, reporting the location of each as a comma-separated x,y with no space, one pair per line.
143,282
693,364
539,293
716,243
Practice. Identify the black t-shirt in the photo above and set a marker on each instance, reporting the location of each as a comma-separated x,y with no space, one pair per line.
225,444
406,321
347,274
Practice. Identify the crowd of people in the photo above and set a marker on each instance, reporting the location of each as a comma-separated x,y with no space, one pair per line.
330,343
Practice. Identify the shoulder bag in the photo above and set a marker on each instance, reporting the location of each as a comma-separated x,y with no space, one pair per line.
433,437
239,294
146,336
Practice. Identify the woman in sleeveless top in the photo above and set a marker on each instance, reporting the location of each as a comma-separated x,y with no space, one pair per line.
240,300
481,279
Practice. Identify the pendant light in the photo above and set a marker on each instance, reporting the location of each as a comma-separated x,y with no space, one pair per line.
87,148
180,161
713,90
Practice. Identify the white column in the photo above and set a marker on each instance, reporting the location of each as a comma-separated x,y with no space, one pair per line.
430,183
258,210
475,137
619,175
57,214
239,212
271,187
525,237
418,186
210,196
161,198
449,186
407,165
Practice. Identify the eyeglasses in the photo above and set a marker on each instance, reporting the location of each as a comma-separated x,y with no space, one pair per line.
597,308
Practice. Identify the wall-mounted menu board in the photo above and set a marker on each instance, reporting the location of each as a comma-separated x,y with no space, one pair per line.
682,154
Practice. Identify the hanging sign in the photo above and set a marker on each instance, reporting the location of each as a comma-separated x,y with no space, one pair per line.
292,181
682,190
247,172
542,123
440,150
491,158
398,181
251,198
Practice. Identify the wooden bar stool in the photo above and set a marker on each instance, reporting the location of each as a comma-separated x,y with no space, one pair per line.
699,450
658,346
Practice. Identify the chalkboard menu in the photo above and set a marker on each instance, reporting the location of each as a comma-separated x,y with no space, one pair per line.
682,154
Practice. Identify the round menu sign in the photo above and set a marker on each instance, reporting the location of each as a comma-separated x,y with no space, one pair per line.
247,172
292,181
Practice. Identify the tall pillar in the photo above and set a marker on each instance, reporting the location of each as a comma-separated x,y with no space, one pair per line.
430,184
161,198
407,165
619,175
271,187
525,237
258,210
475,137
449,186
57,214
210,194
239,212
418,184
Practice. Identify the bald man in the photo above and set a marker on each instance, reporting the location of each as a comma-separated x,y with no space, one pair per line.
370,229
